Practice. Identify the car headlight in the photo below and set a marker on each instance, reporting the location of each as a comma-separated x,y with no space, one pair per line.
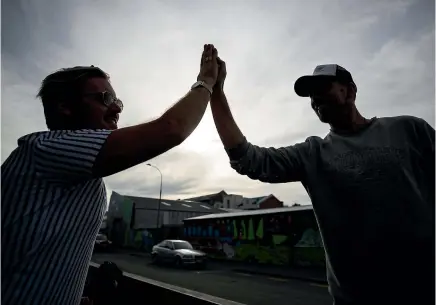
187,257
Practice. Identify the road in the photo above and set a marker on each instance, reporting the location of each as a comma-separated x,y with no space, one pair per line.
225,283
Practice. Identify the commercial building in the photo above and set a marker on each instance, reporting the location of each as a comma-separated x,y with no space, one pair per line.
142,221
281,236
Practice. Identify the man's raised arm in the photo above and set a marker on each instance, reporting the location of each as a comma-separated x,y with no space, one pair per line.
84,154
265,164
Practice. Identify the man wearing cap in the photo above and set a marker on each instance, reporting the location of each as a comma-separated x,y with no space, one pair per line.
371,182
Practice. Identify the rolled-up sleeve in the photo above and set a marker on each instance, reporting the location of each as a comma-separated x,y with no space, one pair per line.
273,165
68,155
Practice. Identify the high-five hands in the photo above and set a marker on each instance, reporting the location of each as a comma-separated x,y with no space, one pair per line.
209,65
222,73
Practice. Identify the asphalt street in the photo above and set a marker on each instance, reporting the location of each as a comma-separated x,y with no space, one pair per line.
225,283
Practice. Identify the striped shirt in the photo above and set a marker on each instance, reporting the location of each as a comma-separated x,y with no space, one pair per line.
52,209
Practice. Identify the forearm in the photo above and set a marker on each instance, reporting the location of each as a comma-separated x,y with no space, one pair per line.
187,113
127,147
229,132
272,165
264,164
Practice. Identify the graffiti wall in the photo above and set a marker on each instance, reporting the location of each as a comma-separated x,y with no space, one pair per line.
281,239
141,239
145,239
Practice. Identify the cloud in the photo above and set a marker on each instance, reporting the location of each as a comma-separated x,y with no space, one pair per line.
152,48
182,172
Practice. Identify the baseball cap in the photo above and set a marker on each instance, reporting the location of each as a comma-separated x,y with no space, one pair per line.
304,84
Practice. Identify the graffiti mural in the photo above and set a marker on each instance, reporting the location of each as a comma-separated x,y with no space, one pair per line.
141,239
270,238
309,249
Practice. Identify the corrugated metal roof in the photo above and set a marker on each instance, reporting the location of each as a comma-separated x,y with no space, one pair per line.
207,197
253,212
172,205
258,198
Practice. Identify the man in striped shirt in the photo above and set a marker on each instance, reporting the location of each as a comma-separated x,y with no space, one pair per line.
53,195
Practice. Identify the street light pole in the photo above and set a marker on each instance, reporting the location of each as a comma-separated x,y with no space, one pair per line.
160,195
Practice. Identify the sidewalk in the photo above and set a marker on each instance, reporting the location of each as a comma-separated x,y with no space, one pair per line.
311,274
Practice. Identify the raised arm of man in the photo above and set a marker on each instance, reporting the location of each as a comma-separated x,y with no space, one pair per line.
273,165
86,154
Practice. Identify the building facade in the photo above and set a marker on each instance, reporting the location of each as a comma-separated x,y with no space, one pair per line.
142,222
280,236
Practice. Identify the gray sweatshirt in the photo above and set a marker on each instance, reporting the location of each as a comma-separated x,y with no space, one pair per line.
373,194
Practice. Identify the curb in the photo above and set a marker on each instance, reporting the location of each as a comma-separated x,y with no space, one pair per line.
294,277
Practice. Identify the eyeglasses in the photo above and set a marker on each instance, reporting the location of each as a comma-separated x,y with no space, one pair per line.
107,98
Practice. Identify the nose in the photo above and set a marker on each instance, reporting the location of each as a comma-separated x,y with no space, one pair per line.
114,107
314,100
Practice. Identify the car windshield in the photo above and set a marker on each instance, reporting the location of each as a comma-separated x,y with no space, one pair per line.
182,245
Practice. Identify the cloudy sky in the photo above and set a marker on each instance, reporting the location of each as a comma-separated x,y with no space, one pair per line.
152,49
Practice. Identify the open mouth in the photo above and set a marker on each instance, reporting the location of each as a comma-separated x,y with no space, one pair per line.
322,109
112,120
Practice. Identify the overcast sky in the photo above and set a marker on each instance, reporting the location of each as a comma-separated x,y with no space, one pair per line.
152,49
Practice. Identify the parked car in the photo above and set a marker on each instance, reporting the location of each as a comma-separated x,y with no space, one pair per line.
102,243
178,252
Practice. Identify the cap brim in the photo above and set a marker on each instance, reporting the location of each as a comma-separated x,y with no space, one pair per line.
305,84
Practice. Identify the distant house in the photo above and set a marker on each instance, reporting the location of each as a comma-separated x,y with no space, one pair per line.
216,199
227,201
266,202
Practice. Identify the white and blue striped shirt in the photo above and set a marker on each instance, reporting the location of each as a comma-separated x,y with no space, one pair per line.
52,208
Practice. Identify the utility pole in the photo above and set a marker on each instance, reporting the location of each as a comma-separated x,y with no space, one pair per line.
160,195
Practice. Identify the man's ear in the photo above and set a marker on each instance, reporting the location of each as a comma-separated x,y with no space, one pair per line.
351,92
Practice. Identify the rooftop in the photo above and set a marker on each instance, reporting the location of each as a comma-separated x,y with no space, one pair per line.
145,203
253,212
208,196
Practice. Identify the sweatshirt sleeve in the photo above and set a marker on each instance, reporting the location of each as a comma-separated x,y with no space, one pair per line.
272,165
